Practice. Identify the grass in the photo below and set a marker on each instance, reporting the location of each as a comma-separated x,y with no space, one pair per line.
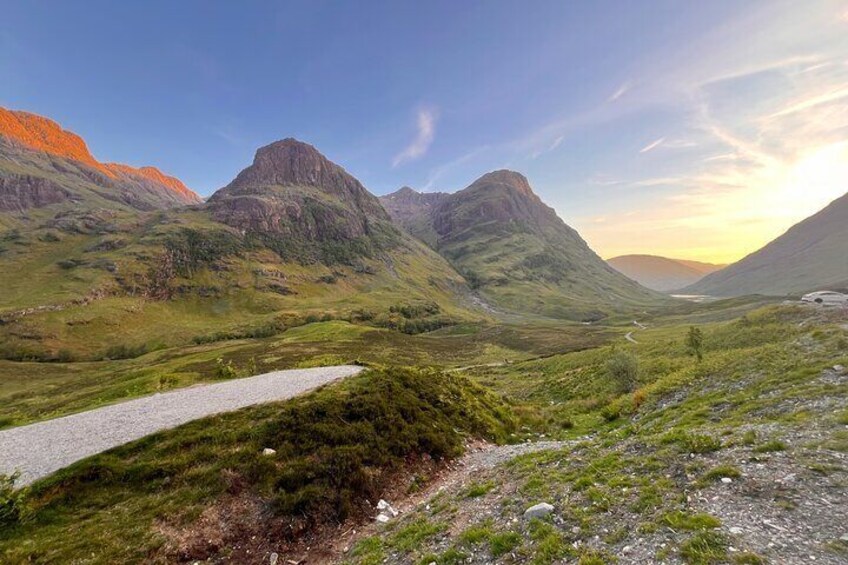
335,448
770,447
31,391
476,490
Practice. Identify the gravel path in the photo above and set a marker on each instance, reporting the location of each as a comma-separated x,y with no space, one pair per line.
38,450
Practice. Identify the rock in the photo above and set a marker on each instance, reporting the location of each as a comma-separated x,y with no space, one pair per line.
626,549
838,368
383,518
736,530
273,559
538,511
386,508
268,451
726,480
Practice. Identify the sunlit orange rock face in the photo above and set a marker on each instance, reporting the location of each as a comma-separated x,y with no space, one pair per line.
154,174
42,134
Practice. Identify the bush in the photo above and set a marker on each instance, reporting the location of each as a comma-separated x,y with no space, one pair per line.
337,447
610,412
225,370
696,443
623,370
124,351
11,501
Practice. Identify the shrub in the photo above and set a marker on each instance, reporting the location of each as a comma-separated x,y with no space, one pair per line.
698,443
611,412
225,370
694,342
639,398
11,501
124,351
336,446
623,369
190,250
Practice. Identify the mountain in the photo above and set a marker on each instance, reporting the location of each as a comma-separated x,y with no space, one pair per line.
45,166
661,273
304,206
811,255
516,250
411,210
293,238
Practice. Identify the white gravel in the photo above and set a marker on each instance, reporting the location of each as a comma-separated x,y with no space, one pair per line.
40,449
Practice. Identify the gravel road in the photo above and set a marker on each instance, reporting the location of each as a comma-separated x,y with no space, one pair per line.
40,449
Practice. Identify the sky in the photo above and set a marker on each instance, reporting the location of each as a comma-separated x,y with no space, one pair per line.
697,130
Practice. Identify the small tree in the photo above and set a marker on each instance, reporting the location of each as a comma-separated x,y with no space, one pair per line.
694,342
623,369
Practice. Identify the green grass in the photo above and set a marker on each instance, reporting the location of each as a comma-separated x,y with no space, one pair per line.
476,490
31,391
770,447
335,448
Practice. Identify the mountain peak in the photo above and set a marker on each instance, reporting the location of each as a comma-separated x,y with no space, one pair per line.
290,162
505,177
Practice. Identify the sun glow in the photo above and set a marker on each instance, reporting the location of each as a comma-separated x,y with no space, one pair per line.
819,176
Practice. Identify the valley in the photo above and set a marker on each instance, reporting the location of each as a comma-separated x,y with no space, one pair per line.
465,356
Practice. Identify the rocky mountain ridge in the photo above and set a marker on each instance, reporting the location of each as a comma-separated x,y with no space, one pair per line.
43,164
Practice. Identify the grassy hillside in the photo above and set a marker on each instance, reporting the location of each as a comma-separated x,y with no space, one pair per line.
168,279
31,391
517,252
691,462
205,490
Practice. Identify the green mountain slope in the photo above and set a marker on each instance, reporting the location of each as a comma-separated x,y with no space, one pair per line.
812,255
294,238
519,253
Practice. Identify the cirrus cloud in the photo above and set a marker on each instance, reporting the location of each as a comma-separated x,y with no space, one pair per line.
426,124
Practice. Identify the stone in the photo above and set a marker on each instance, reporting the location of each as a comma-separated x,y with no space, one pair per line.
726,480
268,451
383,518
736,530
273,559
839,368
386,508
538,511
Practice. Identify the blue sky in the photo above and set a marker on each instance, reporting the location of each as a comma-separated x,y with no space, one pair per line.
699,130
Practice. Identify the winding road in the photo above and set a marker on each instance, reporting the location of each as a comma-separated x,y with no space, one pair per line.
37,450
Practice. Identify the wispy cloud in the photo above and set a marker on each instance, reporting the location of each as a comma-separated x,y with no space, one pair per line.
426,124
812,101
554,144
621,91
652,145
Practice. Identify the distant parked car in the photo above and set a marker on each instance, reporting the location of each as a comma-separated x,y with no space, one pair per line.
826,298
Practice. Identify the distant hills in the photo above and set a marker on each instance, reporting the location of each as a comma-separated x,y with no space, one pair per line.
661,273
811,255
42,164
515,249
